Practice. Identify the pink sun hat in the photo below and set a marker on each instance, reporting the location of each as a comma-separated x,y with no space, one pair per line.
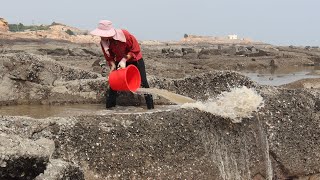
104,29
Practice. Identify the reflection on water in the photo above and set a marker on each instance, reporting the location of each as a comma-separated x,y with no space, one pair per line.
44,111
280,76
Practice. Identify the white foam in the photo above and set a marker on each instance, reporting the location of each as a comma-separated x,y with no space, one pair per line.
237,104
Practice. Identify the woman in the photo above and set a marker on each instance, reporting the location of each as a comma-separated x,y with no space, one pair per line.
120,49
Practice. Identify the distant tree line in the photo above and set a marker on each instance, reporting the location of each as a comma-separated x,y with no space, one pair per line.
21,27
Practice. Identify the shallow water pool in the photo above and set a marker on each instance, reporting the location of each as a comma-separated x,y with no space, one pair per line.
277,77
45,111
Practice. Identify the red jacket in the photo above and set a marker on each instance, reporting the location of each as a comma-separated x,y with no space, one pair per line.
119,50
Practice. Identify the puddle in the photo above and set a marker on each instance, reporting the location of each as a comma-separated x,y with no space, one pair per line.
45,111
277,77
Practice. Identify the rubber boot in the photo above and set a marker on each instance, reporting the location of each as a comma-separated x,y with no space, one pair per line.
111,98
149,101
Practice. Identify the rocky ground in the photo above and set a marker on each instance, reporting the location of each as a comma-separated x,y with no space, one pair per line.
279,141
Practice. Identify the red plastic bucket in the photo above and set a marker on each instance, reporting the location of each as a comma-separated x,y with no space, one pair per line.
126,79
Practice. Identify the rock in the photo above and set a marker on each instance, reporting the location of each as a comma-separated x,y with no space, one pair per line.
172,53
165,50
197,144
258,53
313,83
188,50
242,48
316,60
232,50
30,67
311,177
202,84
193,144
258,177
307,48
23,158
315,177
4,27
273,63
76,52
207,53
190,56
32,78
168,142
250,51
254,50
197,141
175,53
97,69
92,52
317,105
56,52
58,169
97,63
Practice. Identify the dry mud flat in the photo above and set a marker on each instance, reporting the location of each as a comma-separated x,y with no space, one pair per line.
280,140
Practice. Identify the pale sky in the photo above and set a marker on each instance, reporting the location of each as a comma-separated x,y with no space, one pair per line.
279,22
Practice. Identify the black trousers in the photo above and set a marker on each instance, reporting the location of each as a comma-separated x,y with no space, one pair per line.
112,94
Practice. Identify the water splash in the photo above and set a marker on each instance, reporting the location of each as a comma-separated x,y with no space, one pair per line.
265,148
237,104
230,165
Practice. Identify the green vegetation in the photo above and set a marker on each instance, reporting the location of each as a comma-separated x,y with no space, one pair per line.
20,27
70,32
55,23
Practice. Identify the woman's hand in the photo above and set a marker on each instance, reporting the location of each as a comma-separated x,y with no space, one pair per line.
122,63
